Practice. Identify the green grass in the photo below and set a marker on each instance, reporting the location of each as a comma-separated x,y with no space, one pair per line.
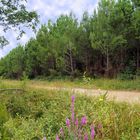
107,84
37,113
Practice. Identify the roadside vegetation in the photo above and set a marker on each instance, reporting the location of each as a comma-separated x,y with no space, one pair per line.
98,51
106,84
103,44
40,113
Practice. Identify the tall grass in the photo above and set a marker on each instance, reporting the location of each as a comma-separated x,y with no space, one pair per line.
107,84
41,113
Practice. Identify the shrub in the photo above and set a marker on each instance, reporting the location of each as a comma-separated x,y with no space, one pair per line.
17,105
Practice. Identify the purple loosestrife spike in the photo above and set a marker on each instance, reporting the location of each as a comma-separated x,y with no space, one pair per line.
76,122
61,132
84,120
92,133
72,108
68,122
57,138
79,134
72,98
86,136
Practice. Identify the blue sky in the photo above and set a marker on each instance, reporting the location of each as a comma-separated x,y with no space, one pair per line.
48,9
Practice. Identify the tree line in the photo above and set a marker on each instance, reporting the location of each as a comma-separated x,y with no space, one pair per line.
104,44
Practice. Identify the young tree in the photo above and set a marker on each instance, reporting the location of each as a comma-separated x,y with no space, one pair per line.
12,65
85,51
104,36
32,62
63,43
136,30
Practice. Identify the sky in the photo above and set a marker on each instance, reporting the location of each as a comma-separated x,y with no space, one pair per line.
48,9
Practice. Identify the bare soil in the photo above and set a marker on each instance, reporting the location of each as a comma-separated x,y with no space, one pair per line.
119,96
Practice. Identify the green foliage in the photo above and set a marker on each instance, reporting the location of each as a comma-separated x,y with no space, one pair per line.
103,44
42,113
24,80
2,85
4,116
86,79
17,106
13,64
15,15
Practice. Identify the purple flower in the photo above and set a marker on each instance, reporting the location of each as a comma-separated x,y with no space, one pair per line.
92,133
72,108
76,122
72,98
84,120
44,138
61,132
68,122
86,136
57,138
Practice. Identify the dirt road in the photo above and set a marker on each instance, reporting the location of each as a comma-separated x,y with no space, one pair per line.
120,96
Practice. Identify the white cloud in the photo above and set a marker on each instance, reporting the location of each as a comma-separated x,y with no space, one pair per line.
1,54
49,9
37,5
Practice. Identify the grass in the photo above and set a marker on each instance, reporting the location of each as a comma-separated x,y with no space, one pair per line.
107,84
38,113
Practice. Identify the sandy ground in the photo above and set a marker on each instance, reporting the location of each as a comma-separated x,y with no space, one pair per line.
119,96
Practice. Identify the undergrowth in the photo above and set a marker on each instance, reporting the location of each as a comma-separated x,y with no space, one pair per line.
40,113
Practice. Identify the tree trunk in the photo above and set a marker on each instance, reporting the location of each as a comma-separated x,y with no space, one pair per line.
107,63
70,55
86,61
71,62
138,57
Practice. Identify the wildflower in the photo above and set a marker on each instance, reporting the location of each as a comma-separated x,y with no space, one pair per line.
73,98
92,133
72,108
76,122
100,129
84,120
61,132
72,115
57,138
68,122
86,136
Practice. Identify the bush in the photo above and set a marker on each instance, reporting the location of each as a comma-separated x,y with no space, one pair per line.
127,74
17,105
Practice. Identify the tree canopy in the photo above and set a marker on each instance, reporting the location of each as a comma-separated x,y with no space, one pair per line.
106,43
14,15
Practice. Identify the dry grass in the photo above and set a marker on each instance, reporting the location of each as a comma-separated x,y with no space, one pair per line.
117,95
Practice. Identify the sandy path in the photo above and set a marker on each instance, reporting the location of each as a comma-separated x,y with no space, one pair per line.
126,96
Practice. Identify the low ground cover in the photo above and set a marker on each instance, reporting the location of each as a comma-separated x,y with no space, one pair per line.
107,84
41,113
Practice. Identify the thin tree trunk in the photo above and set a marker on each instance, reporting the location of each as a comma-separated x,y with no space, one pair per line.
138,57
86,61
107,63
71,62
71,59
